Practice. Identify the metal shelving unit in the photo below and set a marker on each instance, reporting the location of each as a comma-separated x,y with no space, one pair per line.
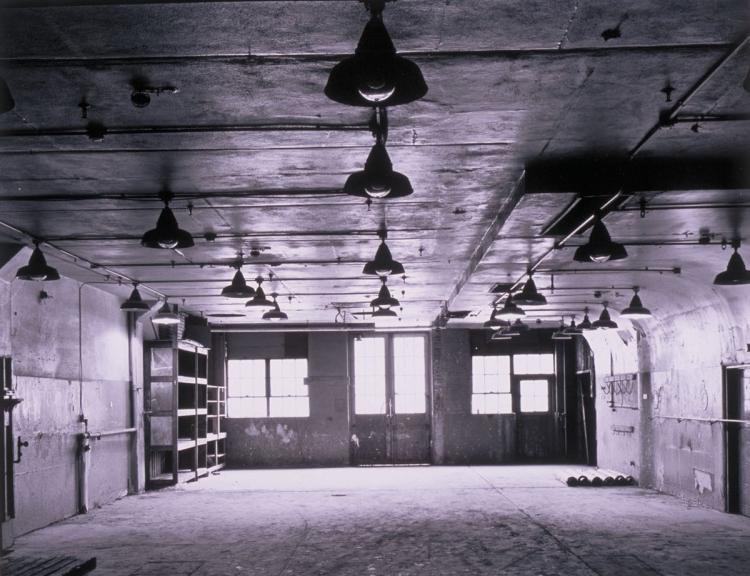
184,414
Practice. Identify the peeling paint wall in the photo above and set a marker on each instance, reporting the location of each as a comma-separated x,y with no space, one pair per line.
675,447
43,338
320,440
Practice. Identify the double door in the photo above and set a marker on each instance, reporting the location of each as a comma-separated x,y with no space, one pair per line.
390,400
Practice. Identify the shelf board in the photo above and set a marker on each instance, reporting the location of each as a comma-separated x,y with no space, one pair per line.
215,467
183,379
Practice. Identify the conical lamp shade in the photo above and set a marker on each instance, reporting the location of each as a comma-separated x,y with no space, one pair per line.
260,300
134,303
375,75
736,274
275,314
636,309
166,316
529,296
600,247
384,299
586,323
238,288
378,180
383,264
37,269
510,311
605,322
167,234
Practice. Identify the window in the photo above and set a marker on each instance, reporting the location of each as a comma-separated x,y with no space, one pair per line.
409,374
533,364
534,395
369,375
491,385
267,388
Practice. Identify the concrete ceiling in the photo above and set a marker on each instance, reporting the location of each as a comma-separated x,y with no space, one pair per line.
253,145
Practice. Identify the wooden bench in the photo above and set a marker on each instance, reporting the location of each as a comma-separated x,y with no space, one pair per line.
49,566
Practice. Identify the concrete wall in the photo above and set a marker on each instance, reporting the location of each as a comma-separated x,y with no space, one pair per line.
61,374
678,355
320,440
461,437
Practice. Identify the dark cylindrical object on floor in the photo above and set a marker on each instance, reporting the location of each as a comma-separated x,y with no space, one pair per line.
572,481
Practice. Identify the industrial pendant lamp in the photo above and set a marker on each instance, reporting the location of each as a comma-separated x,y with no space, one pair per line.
7,103
275,315
494,321
166,316
167,234
384,313
736,274
37,269
561,333
586,322
238,288
636,309
529,296
600,247
572,329
384,299
134,303
605,322
378,179
375,75
501,335
383,264
259,300
510,311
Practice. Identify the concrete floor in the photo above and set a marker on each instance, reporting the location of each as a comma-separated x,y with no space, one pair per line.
398,522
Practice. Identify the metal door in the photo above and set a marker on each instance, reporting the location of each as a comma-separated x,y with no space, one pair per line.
736,440
390,409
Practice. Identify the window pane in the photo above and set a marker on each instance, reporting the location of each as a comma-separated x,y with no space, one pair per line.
534,364
369,376
289,393
491,404
409,374
534,395
246,388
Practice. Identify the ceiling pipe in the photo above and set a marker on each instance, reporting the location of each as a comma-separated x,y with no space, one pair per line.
664,119
77,260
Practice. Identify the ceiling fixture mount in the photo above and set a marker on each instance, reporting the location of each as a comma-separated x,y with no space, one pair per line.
167,316
510,311
636,310
375,75
384,299
383,264
529,296
259,300
275,314
167,234
600,247
605,322
134,303
7,103
736,274
37,269
238,288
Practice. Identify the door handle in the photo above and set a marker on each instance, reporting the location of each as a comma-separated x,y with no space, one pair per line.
20,444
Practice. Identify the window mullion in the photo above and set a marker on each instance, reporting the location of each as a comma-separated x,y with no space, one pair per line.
268,388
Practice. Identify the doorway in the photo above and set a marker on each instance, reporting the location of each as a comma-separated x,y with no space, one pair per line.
736,439
390,400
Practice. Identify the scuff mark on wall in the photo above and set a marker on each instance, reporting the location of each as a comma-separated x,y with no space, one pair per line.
703,481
